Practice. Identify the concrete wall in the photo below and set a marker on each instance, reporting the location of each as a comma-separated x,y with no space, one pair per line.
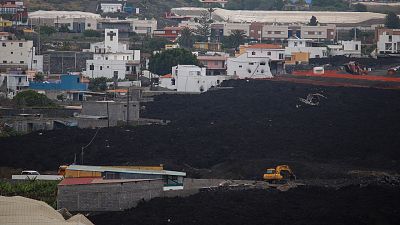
107,197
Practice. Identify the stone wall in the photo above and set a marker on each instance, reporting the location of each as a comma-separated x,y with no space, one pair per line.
107,197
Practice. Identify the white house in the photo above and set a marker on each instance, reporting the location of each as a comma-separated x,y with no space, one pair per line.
388,41
257,62
112,59
296,45
15,53
346,48
191,79
14,83
143,26
111,7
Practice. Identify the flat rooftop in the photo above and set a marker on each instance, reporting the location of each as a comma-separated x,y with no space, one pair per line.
286,17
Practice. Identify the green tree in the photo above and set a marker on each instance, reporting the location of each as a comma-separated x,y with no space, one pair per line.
234,40
154,44
46,30
64,29
39,77
161,63
360,7
98,84
313,21
186,38
91,33
32,99
335,5
204,29
392,21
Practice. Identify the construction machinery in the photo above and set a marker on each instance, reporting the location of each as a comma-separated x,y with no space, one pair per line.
393,71
280,174
355,68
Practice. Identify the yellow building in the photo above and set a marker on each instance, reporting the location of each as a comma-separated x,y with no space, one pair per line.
298,58
5,23
208,46
171,46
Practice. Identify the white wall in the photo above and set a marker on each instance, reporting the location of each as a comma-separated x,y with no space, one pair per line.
111,7
386,45
315,52
190,78
245,67
273,54
144,26
106,68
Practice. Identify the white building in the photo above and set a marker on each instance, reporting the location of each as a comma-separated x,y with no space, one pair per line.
191,79
388,41
112,59
76,21
14,83
111,7
257,62
296,45
143,26
346,48
20,53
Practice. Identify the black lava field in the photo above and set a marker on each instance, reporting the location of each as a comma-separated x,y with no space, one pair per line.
236,133
300,206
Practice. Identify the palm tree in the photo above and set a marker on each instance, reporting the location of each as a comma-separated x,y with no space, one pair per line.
186,38
237,38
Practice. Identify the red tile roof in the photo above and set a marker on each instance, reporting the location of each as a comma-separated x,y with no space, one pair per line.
96,180
167,76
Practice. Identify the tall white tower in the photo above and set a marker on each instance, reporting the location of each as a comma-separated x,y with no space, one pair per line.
111,40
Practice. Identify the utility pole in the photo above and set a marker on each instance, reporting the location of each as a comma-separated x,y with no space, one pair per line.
82,156
127,109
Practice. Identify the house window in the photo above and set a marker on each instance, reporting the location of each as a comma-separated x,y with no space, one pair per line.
35,61
12,53
280,55
253,53
240,66
22,62
357,47
268,53
4,45
4,61
127,68
251,63
216,63
77,80
21,44
262,63
172,81
89,25
101,67
390,38
127,58
388,46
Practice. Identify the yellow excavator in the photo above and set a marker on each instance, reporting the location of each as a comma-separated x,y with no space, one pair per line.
280,174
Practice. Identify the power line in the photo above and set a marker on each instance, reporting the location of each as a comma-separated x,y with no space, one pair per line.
91,141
